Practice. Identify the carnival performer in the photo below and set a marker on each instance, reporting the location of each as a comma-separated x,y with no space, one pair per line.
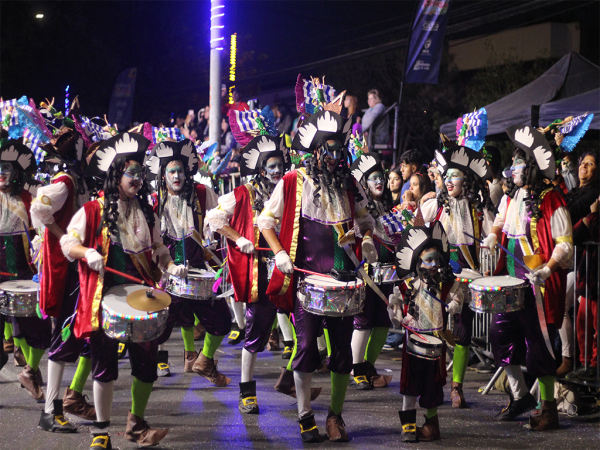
182,205
119,231
53,209
423,253
464,208
532,219
371,326
318,208
31,334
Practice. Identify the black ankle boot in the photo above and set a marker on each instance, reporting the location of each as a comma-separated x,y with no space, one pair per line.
248,403
408,419
163,364
56,422
100,436
361,376
308,428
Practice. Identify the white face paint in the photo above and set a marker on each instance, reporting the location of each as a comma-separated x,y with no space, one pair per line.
454,180
175,177
6,175
274,169
518,171
131,181
430,260
375,183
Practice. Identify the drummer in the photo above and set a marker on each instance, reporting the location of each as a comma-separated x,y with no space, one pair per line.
119,231
371,326
182,204
532,218
424,254
264,157
53,209
31,334
317,208
465,210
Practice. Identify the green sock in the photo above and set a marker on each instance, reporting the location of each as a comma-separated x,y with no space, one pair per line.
327,341
211,344
8,331
289,366
35,356
187,333
196,320
339,386
461,358
84,368
140,393
22,344
376,342
275,323
431,412
547,388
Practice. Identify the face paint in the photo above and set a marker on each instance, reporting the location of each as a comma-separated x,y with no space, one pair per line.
454,181
175,177
430,260
333,154
375,183
274,169
518,171
6,175
132,180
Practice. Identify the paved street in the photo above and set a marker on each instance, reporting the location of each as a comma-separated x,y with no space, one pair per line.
201,416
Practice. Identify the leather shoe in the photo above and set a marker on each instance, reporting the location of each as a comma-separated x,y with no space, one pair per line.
139,431
516,408
335,427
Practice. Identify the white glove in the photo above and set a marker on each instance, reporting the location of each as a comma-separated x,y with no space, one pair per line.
36,243
179,271
94,260
396,297
368,250
245,245
284,262
539,276
410,321
453,307
490,242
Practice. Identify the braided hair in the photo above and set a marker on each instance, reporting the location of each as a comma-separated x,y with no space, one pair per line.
534,182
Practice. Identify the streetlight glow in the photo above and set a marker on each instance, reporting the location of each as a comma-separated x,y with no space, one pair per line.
39,16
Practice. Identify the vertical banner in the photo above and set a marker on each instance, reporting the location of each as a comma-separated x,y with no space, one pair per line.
121,101
426,42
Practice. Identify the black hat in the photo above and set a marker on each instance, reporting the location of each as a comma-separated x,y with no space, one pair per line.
261,148
166,151
365,165
413,242
321,127
536,146
464,159
17,153
123,146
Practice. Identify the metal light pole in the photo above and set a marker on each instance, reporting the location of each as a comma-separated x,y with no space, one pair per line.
217,41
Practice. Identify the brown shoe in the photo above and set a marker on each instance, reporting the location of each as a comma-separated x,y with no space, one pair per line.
457,396
9,346
381,381
430,431
335,427
77,404
273,344
139,431
199,332
565,368
208,369
19,357
188,361
546,418
28,380
286,385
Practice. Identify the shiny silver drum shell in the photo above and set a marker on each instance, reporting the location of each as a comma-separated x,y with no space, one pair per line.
197,286
19,298
465,277
498,294
121,321
384,273
431,348
329,297
270,263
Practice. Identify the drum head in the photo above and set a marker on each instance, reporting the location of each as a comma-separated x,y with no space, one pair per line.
497,281
468,274
199,273
431,341
19,286
116,299
317,280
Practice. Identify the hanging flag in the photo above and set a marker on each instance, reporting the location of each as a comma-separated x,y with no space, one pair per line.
32,141
121,101
426,42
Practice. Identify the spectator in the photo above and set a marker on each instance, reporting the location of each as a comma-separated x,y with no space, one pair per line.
410,162
202,128
580,198
420,186
351,105
284,119
237,105
378,128
569,172
495,163
226,137
395,185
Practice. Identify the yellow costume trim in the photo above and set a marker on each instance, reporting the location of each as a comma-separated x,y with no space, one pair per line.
100,441
163,366
75,234
302,430
254,278
250,401
294,245
409,428
266,212
534,235
361,379
45,200
97,300
561,239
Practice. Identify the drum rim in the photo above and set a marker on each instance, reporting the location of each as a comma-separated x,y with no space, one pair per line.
473,285
426,344
35,284
350,285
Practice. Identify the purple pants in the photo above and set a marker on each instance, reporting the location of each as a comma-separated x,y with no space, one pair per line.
419,379
259,322
517,338
105,361
36,332
375,313
463,326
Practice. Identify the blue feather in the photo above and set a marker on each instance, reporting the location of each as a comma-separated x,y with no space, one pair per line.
573,138
269,120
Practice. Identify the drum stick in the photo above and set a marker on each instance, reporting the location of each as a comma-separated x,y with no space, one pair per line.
383,243
262,249
121,274
435,298
310,272
413,331
6,274
518,261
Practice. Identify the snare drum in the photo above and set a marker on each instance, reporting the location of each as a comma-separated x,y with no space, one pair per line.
384,273
430,348
329,297
465,277
498,294
19,298
197,286
121,321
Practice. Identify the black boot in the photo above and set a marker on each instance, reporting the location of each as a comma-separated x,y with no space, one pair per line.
122,351
163,364
408,419
308,428
235,336
56,421
248,403
100,436
288,349
360,376
516,408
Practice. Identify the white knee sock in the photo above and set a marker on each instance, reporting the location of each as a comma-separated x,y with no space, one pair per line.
409,402
248,362
360,339
238,312
321,342
302,381
566,331
516,381
55,376
286,326
103,398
